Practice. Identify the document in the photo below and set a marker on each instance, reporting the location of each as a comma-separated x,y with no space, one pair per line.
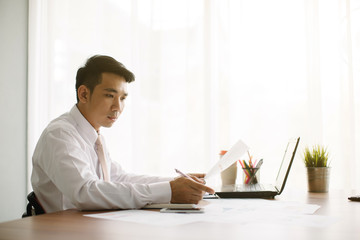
250,213
146,217
234,154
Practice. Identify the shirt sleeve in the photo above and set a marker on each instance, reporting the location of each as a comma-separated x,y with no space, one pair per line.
160,186
67,164
119,175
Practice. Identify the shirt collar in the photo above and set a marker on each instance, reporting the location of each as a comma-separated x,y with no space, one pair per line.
85,128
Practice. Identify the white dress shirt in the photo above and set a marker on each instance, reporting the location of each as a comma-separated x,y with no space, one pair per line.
67,174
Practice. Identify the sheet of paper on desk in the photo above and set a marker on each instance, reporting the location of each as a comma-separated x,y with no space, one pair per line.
255,212
146,217
246,212
234,154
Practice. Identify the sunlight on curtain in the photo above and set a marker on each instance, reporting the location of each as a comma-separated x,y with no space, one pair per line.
207,74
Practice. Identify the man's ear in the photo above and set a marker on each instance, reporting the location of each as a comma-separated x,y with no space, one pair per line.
83,94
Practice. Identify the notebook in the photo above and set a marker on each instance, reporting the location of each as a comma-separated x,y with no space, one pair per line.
263,190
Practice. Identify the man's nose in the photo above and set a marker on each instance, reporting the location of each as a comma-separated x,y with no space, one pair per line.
118,105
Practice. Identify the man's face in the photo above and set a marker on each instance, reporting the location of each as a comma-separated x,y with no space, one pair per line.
106,102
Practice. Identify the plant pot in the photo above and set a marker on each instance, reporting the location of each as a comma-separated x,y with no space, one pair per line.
318,179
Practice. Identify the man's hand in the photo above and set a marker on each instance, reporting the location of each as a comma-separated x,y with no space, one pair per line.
198,177
184,190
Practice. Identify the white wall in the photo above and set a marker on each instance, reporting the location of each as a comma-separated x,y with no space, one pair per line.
13,98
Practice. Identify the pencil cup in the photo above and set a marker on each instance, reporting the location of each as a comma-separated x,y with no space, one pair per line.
251,175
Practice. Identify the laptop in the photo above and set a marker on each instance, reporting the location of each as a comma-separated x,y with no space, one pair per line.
263,190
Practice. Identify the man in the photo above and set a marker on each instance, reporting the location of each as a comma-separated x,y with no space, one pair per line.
71,167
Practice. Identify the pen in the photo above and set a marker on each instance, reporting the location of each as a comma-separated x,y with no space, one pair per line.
243,167
182,174
257,167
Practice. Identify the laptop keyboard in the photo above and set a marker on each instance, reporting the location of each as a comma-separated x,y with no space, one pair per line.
254,187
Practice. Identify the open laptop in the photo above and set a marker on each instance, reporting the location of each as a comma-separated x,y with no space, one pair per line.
263,190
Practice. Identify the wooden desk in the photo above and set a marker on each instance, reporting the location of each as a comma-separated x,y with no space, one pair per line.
71,224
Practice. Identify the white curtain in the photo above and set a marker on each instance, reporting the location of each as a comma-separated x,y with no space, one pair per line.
207,74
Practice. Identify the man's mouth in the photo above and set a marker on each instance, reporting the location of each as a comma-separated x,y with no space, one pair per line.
112,118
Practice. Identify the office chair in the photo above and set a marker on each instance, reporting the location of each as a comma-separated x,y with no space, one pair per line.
33,207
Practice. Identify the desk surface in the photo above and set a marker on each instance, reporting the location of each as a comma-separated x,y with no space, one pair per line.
71,224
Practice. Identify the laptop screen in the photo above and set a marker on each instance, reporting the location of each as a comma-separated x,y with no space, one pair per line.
286,164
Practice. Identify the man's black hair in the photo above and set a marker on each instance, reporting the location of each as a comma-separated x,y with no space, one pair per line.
90,74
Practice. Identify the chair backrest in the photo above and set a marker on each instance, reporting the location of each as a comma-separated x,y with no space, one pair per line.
33,207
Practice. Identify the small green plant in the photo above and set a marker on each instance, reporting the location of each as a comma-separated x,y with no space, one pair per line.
318,156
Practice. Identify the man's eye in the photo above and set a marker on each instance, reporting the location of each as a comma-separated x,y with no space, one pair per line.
109,95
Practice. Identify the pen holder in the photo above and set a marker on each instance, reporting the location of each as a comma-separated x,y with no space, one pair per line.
251,175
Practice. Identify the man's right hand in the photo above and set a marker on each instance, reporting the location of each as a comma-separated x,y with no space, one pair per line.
184,190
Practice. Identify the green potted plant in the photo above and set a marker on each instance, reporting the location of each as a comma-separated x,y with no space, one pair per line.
317,163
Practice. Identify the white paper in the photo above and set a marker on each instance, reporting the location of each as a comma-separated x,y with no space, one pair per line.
146,217
245,212
234,154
